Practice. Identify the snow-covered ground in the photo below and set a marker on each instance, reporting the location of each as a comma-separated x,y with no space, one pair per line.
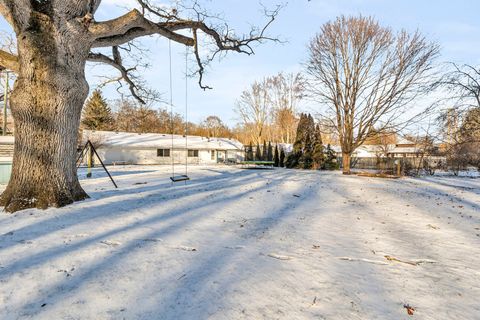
247,244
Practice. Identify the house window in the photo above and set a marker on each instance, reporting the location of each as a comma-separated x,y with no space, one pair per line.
193,153
213,154
163,152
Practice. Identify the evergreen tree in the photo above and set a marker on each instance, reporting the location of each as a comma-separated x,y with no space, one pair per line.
293,158
306,158
281,160
270,152
330,159
264,151
96,113
258,154
318,157
249,152
300,137
276,158
302,153
470,128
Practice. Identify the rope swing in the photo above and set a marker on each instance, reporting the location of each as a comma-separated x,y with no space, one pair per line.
182,177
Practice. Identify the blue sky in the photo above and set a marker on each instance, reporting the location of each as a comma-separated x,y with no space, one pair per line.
453,24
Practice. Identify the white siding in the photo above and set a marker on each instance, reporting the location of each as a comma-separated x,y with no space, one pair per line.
149,156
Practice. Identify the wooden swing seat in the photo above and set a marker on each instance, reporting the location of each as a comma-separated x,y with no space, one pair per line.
180,178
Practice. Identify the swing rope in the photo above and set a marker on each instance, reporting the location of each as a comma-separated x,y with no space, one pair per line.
185,176
171,105
186,111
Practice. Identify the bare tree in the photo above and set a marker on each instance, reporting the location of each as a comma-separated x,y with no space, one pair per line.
460,124
55,39
285,93
253,107
132,116
367,76
461,130
268,109
214,126
463,83
125,116
426,153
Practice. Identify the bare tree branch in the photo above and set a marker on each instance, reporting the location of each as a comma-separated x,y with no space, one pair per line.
131,26
464,83
136,24
8,61
116,62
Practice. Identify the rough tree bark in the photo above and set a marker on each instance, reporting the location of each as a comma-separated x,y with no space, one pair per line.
54,42
46,104
346,161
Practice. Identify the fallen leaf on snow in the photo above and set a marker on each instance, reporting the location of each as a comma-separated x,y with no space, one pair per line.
410,309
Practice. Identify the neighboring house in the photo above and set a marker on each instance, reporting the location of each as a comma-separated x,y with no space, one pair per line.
394,146
398,147
404,148
154,148
6,158
6,148
287,147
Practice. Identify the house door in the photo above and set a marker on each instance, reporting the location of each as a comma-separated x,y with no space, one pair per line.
220,156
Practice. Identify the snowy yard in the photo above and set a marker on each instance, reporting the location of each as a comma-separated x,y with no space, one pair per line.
246,244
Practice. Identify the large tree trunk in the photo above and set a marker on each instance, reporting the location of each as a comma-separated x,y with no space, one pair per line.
46,106
346,160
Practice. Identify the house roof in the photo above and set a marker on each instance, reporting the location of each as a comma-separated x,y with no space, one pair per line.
403,140
157,140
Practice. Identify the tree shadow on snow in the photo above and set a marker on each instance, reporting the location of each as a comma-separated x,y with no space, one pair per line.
83,274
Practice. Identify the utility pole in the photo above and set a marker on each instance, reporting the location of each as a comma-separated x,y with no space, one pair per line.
5,103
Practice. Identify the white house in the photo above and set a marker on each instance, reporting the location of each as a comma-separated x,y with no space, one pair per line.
400,147
154,148
6,157
6,148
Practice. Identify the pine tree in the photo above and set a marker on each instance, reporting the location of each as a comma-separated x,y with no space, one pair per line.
276,158
470,128
330,159
281,159
318,157
250,152
293,159
302,153
258,154
264,151
96,113
306,158
300,137
270,152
